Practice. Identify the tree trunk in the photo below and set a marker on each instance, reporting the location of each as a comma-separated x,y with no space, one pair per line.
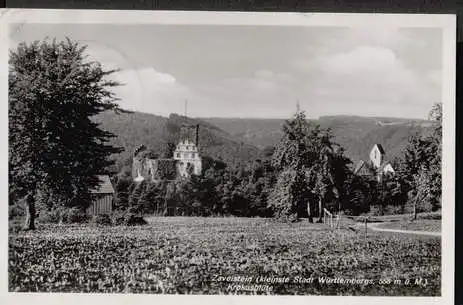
30,210
320,210
309,212
415,203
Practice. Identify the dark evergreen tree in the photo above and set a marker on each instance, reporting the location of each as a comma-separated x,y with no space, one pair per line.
122,193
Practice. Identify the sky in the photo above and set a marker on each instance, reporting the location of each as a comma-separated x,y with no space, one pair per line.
263,71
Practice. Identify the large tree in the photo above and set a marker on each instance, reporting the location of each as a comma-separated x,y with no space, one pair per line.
307,161
421,166
54,146
291,159
328,174
435,166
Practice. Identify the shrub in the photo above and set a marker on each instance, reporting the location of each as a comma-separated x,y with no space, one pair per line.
15,210
118,218
15,225
134,220
52,216
127,219
375,210
430,216
101,219
74,215
393,210
425,206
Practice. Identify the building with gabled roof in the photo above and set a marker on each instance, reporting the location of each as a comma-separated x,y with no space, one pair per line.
102,197
377,165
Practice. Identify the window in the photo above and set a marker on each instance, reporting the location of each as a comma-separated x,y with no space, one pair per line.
178,155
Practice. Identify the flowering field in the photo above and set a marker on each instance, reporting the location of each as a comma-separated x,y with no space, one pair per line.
223,256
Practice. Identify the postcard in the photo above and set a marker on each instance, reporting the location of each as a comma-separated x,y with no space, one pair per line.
216,157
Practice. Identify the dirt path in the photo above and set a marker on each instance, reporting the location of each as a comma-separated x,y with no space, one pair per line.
374,227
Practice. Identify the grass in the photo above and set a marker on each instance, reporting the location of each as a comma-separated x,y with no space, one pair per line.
417,225
396,217
186,255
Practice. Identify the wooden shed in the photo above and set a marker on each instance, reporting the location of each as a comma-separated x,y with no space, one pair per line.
102,197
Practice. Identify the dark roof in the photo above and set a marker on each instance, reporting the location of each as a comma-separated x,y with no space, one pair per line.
381,149
105,186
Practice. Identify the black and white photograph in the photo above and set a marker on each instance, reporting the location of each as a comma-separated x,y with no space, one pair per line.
250,154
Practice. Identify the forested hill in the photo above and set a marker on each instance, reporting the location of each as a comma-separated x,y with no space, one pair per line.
235,140
134,129
356,134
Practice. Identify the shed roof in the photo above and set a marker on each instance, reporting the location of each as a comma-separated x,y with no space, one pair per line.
105,186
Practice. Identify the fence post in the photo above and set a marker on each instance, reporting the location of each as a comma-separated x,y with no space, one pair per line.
366,221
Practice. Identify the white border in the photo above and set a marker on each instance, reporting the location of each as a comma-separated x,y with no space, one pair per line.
446,22
225,18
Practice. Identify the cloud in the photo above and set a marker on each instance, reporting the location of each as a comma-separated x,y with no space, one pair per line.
365,71
143,88
379,36
262,88
435,77
362,59
375,69
151,91
369,80
110,56
260,82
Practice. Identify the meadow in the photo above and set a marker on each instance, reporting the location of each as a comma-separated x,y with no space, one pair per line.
212,255
420,225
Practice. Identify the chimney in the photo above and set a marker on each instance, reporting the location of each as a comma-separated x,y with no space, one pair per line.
197,135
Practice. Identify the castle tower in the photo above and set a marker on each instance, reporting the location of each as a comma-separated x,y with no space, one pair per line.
187,151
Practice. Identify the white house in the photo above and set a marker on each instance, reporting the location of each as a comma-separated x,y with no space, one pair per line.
377,163
377,155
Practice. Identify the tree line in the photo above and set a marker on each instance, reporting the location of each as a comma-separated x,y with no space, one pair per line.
304,174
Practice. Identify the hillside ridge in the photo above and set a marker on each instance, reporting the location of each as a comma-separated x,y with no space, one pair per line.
238,140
